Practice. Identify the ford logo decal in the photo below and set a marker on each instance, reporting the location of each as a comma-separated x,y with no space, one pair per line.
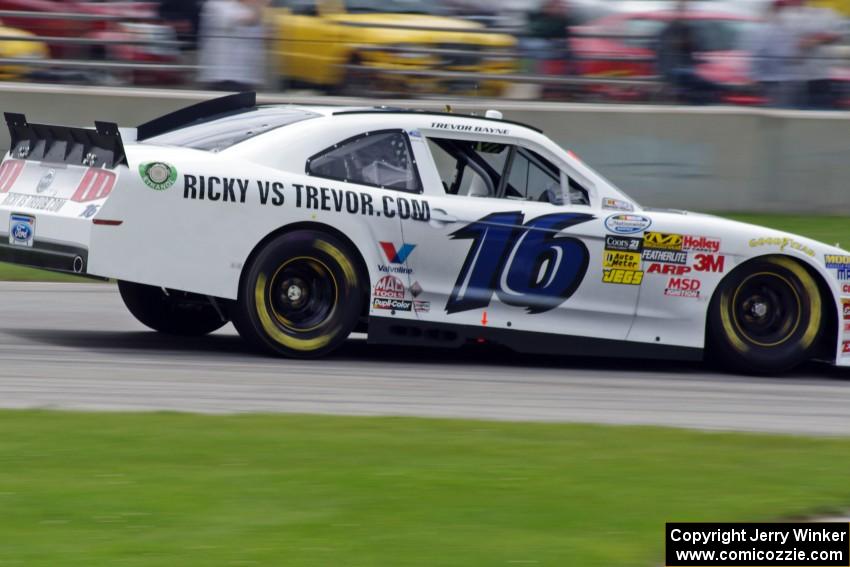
21,232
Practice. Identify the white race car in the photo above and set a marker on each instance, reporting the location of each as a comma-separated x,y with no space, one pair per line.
302,224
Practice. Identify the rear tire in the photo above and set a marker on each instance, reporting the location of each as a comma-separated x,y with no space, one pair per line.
766,318
301,296
172,312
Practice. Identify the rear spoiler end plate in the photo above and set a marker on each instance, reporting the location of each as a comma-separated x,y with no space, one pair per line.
101,147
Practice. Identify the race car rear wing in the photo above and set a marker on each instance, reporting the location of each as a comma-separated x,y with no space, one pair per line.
101,147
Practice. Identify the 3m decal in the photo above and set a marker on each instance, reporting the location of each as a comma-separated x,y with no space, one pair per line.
709,263
666,256
622,277
622,260
627,224
526,265
397,256
782,243
661,241
158,175
623,243
683,287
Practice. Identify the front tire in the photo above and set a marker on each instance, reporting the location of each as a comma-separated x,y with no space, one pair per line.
169,311
301,296
766,318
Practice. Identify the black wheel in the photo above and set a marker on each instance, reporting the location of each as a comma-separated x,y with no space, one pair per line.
169,311
766,317
301,296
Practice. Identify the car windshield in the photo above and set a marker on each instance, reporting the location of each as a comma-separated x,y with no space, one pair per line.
223,132
393,7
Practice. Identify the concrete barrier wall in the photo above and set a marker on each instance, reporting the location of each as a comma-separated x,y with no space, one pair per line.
709,159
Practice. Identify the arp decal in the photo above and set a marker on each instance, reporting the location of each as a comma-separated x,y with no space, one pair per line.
397,255
668,269
526,265
627,224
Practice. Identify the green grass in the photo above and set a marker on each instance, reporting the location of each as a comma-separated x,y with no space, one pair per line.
168,489
16,273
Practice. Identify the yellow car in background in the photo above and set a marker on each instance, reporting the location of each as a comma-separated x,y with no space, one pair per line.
368,46
13,48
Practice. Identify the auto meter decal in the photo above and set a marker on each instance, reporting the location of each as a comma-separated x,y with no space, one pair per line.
525,265
627,224
157,175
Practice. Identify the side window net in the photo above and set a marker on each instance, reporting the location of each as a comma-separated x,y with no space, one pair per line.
380,159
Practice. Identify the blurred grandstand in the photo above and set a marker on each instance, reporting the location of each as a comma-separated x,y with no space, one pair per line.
569,50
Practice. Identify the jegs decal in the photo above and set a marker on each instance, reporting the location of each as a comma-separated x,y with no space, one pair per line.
526,265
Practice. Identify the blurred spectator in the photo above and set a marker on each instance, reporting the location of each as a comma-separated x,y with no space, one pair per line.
678,48
814,29
775,61
547,36
232,47
185,15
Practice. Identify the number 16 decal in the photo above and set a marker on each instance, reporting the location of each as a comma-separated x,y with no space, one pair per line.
526,265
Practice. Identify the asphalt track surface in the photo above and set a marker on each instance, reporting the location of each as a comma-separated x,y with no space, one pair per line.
76,347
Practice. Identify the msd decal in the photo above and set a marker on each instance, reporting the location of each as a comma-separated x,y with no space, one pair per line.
397,255
683,287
